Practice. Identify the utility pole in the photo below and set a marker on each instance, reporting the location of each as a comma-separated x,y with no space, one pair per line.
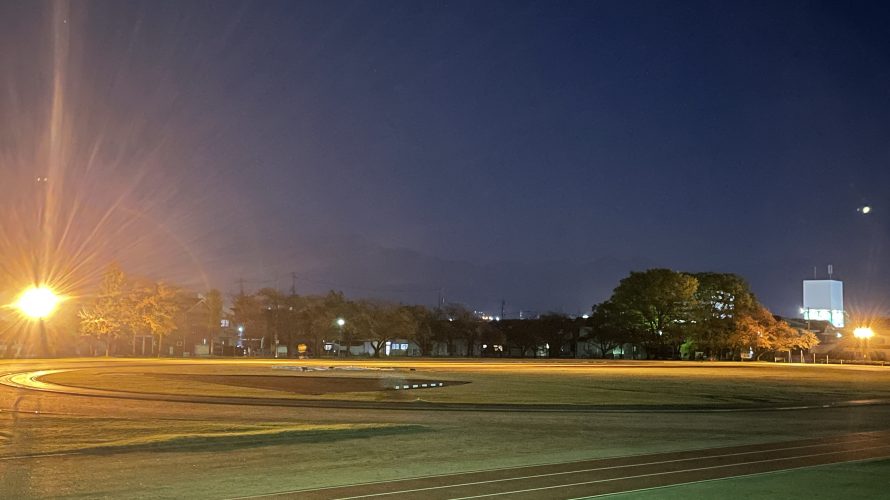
503,303
293,284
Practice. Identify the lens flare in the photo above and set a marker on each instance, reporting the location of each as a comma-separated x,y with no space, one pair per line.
863,332
37,302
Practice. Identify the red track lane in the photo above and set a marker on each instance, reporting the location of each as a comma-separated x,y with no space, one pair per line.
613,475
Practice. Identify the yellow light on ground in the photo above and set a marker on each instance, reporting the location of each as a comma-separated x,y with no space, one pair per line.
37,302
863,332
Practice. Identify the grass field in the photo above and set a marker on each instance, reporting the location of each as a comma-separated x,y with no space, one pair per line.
64,434
526,382
173,450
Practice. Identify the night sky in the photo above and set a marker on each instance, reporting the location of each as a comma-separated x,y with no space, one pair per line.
530,152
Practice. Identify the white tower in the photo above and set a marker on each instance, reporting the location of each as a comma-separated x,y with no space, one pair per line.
824,300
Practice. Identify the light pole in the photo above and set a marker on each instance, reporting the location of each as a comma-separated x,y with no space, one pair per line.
863,333
340,323
240,340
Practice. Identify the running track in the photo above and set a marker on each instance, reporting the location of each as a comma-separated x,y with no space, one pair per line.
614,475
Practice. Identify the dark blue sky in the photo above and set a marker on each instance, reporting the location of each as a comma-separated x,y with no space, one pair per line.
531,152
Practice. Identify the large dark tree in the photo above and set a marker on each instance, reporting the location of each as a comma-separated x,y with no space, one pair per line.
425,322
382,322
248,313
557,331
657,302
522,334
608,330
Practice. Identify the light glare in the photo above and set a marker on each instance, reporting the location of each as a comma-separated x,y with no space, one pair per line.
37,302
863,332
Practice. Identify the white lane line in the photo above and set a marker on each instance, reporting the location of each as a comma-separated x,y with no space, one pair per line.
569,485
612,467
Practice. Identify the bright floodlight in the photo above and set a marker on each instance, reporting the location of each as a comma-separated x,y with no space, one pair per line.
341,321
37,302
863,332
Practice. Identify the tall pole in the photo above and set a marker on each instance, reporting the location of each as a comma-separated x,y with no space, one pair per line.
44,347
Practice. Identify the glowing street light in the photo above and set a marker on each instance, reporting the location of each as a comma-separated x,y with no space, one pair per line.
37,302
340,322
863,332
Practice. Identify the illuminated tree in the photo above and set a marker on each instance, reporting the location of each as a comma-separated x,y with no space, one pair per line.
721,300
106,315
156,310
754,331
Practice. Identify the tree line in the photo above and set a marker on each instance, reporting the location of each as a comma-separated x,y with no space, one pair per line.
126,307
670,312
657,313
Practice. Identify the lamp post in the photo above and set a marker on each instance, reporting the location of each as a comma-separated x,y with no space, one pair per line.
240,340
863,333
340,323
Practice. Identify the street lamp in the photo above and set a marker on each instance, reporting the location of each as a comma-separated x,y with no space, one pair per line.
340,323
863,333
38,303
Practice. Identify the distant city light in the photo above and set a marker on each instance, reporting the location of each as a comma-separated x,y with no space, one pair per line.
863,332
865,209
585,316
37,302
